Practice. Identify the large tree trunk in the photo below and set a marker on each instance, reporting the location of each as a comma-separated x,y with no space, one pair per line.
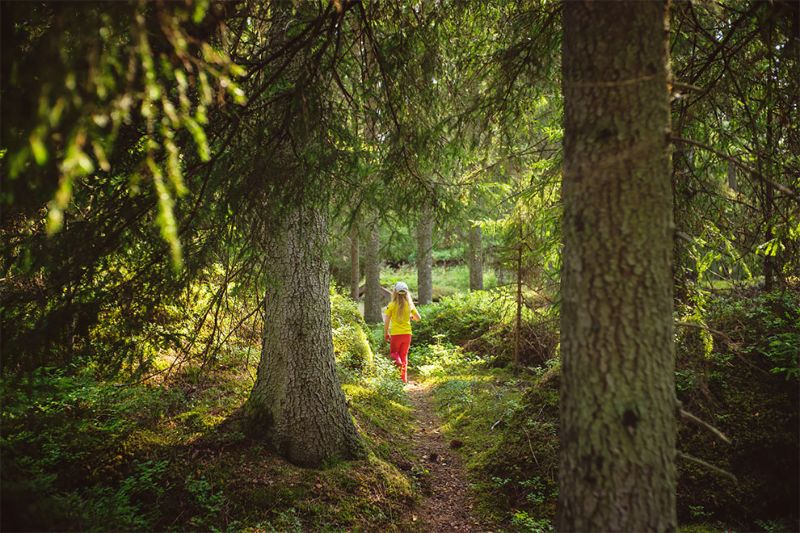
425,256
355,267
475,259
618,400
373,295
297,403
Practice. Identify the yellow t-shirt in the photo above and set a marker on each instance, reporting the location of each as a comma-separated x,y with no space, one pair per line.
400,321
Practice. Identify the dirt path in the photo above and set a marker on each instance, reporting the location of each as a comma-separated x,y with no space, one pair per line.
447,508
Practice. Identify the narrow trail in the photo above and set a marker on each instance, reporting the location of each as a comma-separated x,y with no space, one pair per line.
447,508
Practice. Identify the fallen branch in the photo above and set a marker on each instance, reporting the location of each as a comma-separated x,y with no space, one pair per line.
686,415
713,331
716,469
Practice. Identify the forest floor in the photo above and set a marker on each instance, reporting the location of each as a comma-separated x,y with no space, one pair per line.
447,506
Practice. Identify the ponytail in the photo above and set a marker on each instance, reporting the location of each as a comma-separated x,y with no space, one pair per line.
400,300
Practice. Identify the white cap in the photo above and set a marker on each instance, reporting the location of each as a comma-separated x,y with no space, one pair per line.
401,287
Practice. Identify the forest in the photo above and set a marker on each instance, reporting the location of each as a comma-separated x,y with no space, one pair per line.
217,219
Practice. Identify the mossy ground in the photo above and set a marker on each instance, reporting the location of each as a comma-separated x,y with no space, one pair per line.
86,454
169,455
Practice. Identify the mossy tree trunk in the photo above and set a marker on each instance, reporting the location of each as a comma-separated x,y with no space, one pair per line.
297,402
373,295
425,256
475,259
618,403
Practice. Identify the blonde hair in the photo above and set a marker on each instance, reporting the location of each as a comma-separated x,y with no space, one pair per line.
400,299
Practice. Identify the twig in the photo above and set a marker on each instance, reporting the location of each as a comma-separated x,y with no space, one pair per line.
782,188
713,331
711,467
686,415
530,446
686,86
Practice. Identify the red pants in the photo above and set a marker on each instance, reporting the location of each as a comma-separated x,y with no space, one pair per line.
398,351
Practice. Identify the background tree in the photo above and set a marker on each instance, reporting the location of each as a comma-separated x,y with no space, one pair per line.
373,293
475,258
425,255
355,267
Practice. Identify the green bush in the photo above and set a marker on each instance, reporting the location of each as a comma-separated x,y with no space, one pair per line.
63,441
350,342
483,322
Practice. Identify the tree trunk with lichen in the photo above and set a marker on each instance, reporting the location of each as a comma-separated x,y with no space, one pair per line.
425,256
297,403
618,402
475,259
373,295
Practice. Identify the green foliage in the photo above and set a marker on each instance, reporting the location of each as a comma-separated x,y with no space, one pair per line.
447,280
766,325
350,342
91,455
746,386
483,322
207,499
522,521
63,440
161,73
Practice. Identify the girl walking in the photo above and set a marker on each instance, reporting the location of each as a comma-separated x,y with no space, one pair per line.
397,326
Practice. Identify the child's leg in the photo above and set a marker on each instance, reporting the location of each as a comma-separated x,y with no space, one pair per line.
404,357
394,348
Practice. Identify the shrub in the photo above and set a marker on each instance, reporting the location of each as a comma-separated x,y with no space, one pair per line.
483,322
350,343
63,439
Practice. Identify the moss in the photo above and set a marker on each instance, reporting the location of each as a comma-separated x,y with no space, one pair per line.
350,342
509,433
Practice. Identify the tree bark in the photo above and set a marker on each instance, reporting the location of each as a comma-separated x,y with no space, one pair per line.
355,267
425,256
617,470
297,404
475,259
373,296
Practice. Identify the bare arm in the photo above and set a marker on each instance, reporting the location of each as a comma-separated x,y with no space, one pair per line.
415,315
386,326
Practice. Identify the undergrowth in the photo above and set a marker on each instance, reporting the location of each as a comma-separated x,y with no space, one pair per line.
745,384
82,453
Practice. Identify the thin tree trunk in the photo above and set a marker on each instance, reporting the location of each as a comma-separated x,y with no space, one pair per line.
425,256
373,296
355,267
617,470
518,325
769,190
475,259
297,403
